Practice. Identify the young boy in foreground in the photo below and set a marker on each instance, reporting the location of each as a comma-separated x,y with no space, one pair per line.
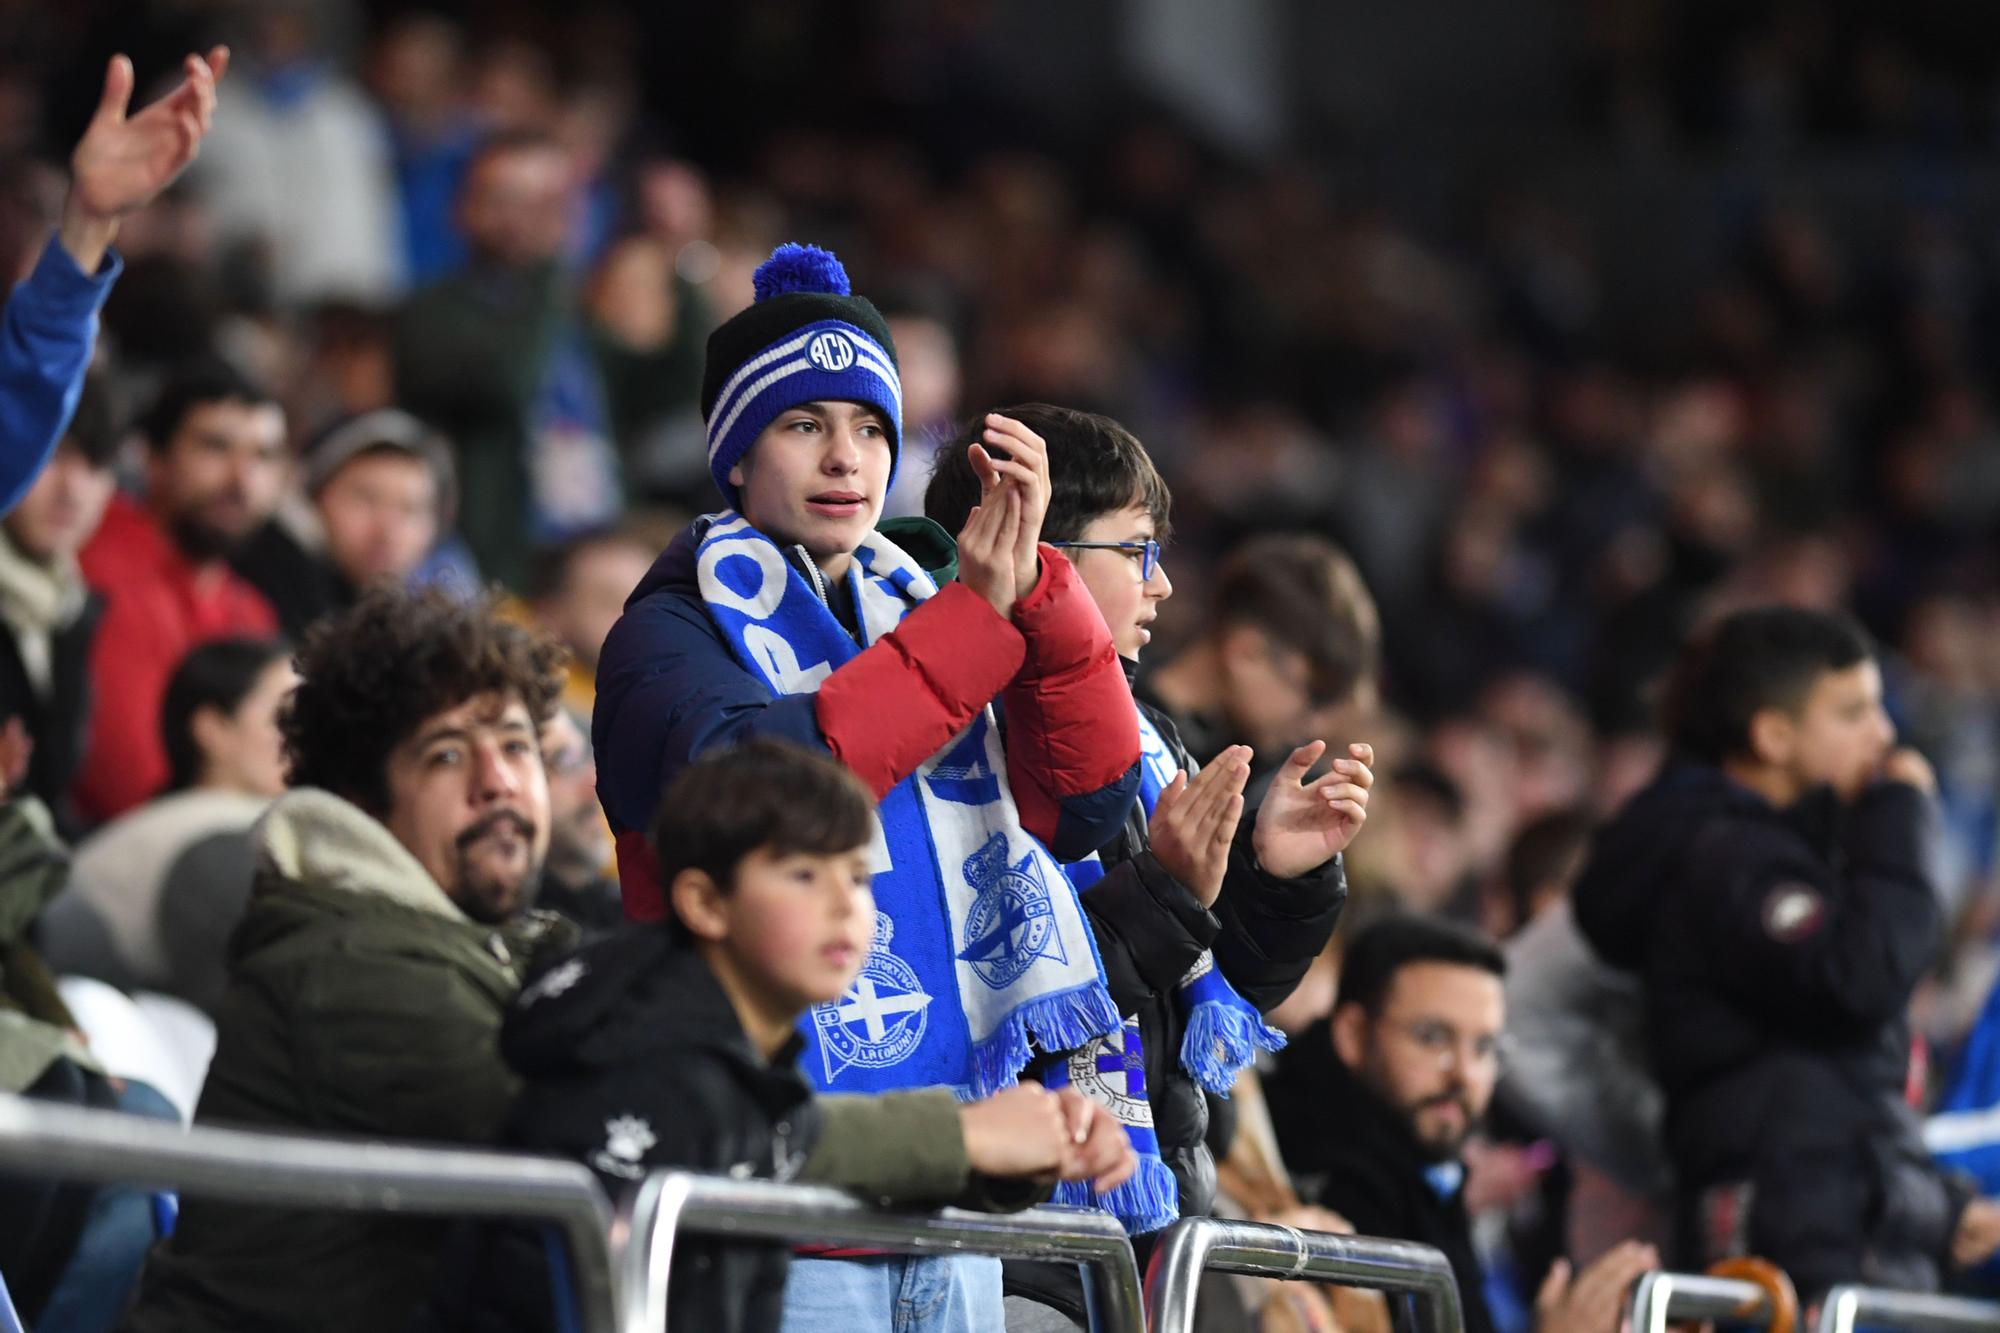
675,1045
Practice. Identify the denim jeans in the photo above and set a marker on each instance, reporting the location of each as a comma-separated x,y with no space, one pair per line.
120,1230
894,1294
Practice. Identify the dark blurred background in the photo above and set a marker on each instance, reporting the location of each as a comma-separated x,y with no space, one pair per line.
1572,322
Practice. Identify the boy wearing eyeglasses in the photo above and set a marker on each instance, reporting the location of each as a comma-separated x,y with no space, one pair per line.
1204,919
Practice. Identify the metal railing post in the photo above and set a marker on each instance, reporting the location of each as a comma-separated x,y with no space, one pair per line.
1846,1306
246,1167
1659,1299
1199,1244
668,1206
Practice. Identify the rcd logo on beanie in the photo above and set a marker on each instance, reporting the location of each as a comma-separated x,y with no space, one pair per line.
831,352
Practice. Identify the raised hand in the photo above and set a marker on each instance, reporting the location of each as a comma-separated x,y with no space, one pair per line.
1302,825
1024,463
1594,1302
122,163
986,549
1194,823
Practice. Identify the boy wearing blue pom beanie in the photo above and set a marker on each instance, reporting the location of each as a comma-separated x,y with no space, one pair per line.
987,713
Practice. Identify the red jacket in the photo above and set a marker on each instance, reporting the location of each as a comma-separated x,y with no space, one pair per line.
669,689
158,604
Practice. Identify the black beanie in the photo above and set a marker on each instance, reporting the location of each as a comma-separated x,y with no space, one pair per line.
807,339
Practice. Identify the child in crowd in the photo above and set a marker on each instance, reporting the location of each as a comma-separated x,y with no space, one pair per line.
987,715
676,1046
1772,890
1204,920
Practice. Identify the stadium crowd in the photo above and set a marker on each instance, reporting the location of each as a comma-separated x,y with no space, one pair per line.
1344,719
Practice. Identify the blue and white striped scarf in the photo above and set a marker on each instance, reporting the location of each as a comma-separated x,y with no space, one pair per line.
980,941
1223,1034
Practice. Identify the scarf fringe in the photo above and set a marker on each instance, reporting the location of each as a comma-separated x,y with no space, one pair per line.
1060,1022
1147,1202
1221,1041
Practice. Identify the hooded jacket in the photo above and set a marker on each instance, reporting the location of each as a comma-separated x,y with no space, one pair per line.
669,690
1150,929
634,1061
362,1002
1778,950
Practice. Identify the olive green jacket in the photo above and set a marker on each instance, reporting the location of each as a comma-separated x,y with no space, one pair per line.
34,1024
361,1002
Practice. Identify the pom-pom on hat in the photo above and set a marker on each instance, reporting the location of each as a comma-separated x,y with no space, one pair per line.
807,339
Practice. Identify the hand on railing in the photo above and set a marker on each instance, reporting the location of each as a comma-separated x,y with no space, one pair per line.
1978,1234
1594,1300
1030,1131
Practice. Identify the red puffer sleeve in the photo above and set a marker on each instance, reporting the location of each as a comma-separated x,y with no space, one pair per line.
1072,730
916,687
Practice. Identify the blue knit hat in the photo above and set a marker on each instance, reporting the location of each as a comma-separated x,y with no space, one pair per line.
807,339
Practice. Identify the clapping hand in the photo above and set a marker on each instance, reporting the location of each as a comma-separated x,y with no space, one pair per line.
1302,825
1024,463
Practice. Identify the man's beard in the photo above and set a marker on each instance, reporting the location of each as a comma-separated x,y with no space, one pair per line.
1438,1150
489,899
201,541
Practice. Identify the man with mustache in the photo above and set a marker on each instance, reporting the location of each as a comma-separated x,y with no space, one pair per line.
215,464
1373,1106
387,932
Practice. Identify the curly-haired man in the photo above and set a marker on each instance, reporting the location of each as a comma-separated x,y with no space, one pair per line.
385,936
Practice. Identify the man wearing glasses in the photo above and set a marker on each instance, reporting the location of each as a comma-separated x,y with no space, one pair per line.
1373,1107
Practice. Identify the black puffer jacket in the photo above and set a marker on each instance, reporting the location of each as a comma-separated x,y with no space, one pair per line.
1150,929
633,1060
1778,949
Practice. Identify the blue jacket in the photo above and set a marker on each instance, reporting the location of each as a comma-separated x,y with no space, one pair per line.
46,335
669,689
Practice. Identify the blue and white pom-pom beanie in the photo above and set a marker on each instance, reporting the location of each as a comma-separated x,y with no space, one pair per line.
807,339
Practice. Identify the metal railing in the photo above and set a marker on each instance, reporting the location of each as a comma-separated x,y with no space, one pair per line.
245,1167
667,1205
1659,1299
1844,1307
1260,1249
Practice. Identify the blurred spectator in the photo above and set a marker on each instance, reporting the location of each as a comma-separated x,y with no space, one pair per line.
1577,1069
927,357
1374,1106
578,592
1291,629
49,614
579,880
649,323
385,936
215,459
1432,859
298,167
1772,893
382,494
495,357
417,71
154,894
